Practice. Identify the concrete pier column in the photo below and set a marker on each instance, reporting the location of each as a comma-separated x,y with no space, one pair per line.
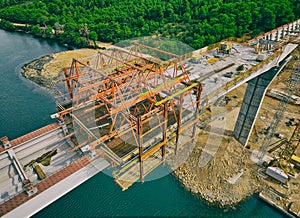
274,36
282,33
253,98
277,36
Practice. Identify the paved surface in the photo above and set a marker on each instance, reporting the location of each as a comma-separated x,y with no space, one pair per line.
52,188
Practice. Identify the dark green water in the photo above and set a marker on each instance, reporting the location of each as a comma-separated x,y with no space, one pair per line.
25,107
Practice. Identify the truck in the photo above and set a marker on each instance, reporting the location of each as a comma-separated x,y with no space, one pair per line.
225,47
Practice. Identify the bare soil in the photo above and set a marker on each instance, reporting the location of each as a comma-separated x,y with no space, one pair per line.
219,168
230,176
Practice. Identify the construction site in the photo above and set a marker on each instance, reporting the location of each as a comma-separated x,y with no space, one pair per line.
139,105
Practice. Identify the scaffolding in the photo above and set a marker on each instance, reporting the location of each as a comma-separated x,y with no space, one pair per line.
132,108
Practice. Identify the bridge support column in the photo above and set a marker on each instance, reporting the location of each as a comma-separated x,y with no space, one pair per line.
277,36
252,101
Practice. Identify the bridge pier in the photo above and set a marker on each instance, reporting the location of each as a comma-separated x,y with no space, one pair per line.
253,98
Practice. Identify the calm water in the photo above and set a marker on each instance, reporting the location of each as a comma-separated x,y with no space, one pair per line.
25,107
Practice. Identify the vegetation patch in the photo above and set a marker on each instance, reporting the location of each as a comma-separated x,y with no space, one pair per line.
195,22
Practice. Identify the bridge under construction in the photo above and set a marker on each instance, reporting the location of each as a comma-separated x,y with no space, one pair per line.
139,106
133,109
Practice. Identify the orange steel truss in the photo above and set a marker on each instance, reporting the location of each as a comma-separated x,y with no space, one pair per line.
130,107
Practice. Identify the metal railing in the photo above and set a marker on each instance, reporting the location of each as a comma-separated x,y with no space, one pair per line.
244,75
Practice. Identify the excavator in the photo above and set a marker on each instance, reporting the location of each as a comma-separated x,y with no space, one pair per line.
287,152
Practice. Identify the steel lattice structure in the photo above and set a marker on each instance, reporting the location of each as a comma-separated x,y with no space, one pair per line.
133,107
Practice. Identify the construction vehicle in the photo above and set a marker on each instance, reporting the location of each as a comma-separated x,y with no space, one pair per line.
225,47
39,171
296,161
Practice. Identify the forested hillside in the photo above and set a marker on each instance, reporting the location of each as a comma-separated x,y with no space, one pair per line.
195,22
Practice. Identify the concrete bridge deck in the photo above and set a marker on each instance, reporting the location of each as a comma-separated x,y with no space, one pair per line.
63,170
30,147
224,75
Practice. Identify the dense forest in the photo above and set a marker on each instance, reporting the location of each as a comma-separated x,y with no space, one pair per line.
195,22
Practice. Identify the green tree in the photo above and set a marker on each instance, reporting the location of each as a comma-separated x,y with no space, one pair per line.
36,30
94,37
4,24
268,20
187,20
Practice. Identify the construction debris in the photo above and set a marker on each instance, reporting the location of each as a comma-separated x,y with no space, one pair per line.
293,99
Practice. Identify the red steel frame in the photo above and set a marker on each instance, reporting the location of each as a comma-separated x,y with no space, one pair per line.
133,89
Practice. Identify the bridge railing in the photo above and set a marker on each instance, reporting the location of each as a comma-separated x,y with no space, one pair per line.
244,75
296,22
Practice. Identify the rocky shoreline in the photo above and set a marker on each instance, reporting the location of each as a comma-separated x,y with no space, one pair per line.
33,71
47,71
213,182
